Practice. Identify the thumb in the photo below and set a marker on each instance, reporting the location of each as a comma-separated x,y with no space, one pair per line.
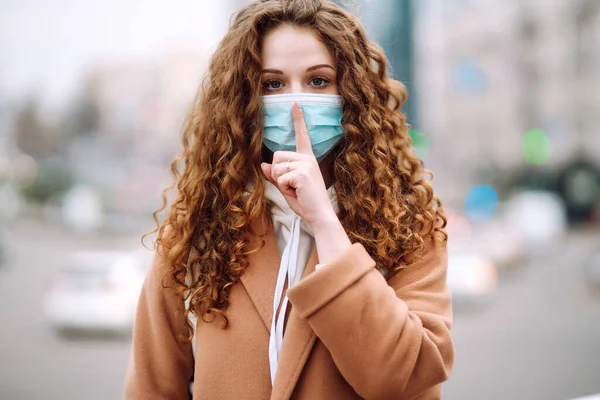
267,168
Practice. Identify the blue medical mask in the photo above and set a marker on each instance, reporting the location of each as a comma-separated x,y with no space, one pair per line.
322,114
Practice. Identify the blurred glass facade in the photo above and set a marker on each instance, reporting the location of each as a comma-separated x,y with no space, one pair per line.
503,106
390,24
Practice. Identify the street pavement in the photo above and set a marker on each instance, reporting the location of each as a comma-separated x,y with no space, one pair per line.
538,339
35,363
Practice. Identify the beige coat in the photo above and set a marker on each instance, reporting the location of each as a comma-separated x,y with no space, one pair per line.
350,334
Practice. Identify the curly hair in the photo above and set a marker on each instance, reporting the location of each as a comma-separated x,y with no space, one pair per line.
385,199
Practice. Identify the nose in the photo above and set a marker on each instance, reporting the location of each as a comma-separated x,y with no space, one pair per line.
296,86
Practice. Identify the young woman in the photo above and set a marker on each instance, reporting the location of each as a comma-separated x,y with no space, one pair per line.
304,256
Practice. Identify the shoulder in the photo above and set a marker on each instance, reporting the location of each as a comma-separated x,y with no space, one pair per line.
163,272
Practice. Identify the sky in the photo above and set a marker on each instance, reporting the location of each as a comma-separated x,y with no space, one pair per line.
46,45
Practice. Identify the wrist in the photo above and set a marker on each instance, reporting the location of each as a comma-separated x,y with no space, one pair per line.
326,222
331,238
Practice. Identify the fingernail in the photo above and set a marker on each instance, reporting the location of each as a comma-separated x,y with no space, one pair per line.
263,164
297,105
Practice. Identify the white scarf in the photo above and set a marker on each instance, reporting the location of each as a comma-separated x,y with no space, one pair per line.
295,241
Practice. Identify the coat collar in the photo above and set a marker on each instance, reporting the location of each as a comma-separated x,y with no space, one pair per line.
259,280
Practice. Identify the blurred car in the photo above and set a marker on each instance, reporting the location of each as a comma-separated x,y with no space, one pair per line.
590,397
471,277
502,245
591,269
494,239
539,217
97,291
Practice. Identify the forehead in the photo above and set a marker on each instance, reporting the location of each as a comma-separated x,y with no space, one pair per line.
290,45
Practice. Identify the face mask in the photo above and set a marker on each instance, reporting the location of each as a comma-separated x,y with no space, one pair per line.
322,114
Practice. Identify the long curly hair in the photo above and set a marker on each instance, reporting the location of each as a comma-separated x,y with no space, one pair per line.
385,199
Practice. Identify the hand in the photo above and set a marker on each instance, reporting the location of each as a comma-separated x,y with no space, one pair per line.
298,177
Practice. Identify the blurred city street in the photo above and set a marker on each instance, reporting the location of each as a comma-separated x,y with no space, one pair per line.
538,338
501,108
36,363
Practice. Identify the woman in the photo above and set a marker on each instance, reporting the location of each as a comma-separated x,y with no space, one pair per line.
297,173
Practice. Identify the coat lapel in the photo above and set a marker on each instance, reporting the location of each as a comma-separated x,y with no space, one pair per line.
298,341
260,278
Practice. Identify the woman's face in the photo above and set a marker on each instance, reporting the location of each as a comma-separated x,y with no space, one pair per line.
294,60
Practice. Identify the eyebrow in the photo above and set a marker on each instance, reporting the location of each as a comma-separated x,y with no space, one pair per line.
314,67
319,67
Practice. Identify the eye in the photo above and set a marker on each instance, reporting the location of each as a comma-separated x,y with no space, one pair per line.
319,81
272,85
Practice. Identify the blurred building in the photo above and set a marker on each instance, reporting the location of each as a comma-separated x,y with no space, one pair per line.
5,142
5,127
489,71
389,23
141,105
135,115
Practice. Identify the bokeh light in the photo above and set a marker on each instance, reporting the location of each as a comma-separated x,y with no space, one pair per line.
469,77
481,203
536,147
420,143
458,228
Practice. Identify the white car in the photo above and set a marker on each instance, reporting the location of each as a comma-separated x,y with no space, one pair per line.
590,397
471,277
499,242
97,291
591,269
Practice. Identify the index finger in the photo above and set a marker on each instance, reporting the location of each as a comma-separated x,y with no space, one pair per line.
303,144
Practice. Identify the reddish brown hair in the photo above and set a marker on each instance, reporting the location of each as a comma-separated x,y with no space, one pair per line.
386,203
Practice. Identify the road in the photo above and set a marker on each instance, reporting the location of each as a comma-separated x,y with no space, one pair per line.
538,339
34,363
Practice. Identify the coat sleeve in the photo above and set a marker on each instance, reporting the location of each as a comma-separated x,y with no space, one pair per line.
389,339
161,364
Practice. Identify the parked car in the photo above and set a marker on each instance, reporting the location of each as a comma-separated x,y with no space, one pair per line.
493,239
496,240
538,217
590,397
591,269
471,277
97,291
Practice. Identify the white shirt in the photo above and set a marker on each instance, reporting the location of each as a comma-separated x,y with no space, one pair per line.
295,241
